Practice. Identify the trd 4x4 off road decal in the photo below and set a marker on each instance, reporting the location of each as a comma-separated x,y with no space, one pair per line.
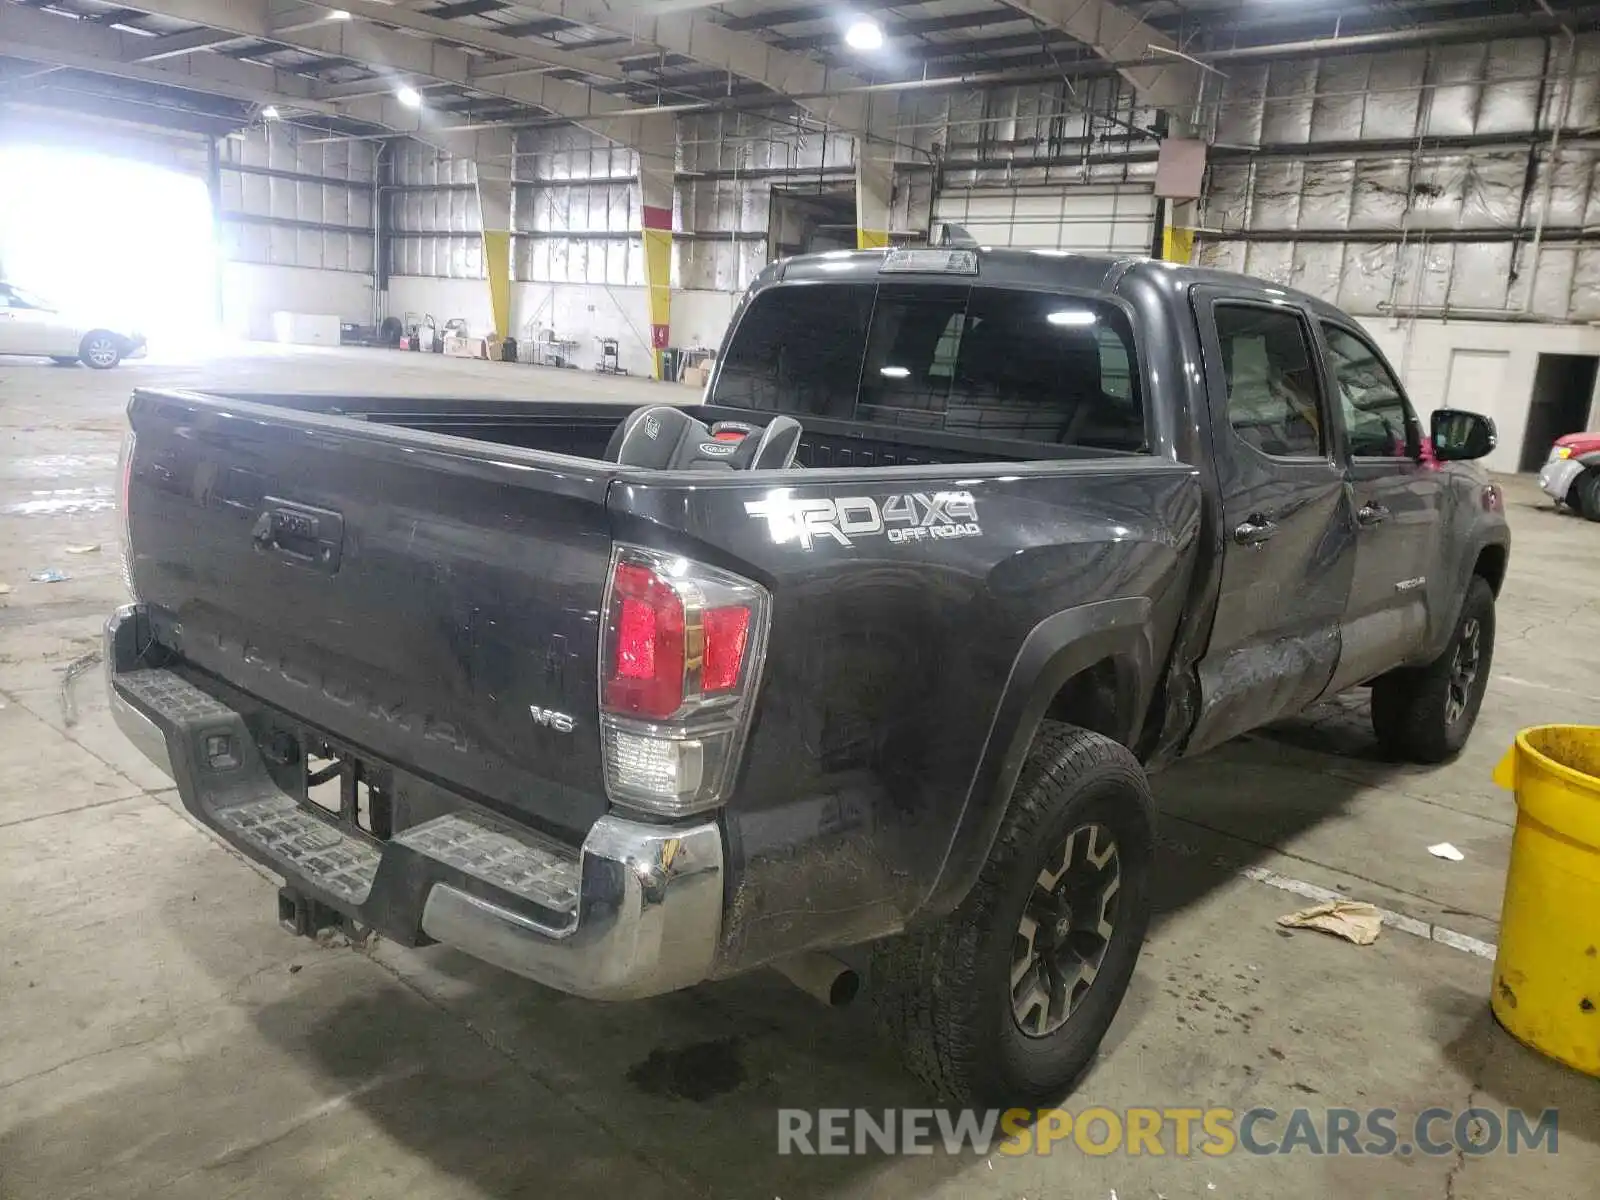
911,517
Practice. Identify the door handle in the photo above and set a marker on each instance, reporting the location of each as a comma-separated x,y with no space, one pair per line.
1371,514
1254,530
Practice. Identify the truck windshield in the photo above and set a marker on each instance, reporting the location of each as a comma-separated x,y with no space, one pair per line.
989,362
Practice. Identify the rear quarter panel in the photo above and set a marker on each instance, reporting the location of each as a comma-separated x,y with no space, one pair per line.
888,661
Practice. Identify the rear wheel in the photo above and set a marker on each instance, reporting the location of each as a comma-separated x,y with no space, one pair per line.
100,349
1424,714
1588,493
1007,999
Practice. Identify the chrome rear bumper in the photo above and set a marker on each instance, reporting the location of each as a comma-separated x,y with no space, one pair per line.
635,911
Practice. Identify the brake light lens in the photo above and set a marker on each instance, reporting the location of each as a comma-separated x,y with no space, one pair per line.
647,662
680,662
727,631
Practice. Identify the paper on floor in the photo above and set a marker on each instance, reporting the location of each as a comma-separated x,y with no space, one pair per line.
1354,920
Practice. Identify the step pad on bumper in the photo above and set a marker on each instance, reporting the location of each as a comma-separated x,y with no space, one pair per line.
512,863
283,829
173,696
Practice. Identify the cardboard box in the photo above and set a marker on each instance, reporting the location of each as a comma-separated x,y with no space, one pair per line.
694,377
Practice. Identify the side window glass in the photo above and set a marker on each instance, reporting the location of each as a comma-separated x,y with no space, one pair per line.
1272,384
1377,420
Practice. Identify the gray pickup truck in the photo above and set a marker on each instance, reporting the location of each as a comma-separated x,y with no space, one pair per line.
867,655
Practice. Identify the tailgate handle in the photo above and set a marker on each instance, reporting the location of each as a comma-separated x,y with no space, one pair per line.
299,534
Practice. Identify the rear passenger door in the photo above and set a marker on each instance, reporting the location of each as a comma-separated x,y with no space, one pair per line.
1287,565
1396,497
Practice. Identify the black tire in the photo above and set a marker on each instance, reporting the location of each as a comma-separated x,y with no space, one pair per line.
1424,714
100,350
944,993
1587,490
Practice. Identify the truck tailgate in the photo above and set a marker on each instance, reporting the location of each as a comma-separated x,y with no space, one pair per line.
430,602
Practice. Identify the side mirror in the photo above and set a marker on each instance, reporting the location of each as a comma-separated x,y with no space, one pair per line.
1459,435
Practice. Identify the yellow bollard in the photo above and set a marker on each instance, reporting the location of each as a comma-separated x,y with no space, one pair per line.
1547,974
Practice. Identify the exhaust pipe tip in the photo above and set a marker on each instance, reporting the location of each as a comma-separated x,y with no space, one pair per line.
822,977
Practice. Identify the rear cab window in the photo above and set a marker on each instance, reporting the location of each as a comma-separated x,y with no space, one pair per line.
985,362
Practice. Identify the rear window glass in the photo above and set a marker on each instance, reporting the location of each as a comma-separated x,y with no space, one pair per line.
800,356
984,362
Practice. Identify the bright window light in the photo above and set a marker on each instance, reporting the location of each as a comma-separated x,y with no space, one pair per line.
1071,316
409,96
269,113
864,35
54,240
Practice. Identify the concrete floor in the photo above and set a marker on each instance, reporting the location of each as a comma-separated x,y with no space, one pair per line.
161,1036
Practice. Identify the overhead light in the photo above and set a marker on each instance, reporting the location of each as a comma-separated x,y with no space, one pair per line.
269,113
864,35
895,372
409,96
1071,316
338,14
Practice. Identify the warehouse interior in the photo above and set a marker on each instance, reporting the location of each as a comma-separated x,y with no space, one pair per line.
1430,168
274,192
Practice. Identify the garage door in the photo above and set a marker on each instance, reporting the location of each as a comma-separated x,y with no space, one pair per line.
1112,219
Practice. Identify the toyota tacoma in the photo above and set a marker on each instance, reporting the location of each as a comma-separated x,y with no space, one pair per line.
868,653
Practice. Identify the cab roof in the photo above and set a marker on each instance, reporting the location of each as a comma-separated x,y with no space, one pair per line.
1041,268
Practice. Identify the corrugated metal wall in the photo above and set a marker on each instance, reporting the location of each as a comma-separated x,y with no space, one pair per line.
577,210
1410,179
290,201
433,214
729,165
1439,211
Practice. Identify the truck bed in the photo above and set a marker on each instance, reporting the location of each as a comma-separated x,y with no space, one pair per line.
582,430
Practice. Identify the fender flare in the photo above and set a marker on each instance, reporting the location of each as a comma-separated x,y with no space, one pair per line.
1439,639
1056,649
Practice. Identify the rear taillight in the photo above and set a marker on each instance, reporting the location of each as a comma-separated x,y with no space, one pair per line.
647,656
680,660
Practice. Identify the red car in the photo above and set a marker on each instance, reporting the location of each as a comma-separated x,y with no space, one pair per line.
1571,475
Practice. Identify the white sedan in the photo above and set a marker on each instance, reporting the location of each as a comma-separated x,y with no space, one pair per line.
28,325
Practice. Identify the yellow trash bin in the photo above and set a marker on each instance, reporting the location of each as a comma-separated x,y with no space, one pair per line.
1547,974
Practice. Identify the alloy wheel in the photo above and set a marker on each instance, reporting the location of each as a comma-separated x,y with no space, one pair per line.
1065,930
1463,671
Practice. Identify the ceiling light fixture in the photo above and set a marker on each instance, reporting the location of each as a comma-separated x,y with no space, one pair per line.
269,113
338,14
409,96
863,34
